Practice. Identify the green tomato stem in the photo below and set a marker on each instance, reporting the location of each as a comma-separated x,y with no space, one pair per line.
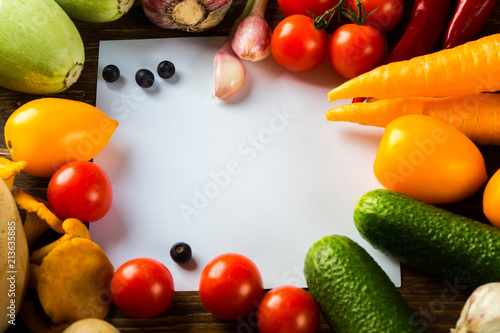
322,21
361,16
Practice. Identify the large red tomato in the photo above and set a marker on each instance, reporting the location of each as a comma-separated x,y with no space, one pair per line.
231,286
288,309
317,7
387,15
297,45
80,190
142,288
355,49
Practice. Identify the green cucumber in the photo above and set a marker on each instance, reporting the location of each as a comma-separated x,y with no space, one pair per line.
97,11
41,49
429,238
352,291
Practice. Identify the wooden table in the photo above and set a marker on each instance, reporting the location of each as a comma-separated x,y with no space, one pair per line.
435,300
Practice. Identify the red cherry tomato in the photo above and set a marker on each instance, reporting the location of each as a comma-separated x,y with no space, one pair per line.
231,286
387,15
297,45
142,288
80,190
317,7
288,309
356,49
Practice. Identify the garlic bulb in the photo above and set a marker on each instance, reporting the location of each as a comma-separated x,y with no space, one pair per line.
481,312
186,15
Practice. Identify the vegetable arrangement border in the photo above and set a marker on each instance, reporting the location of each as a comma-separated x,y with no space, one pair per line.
82,88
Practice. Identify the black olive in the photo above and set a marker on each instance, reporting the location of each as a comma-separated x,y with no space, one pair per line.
144,78
181,253
111,73
166,69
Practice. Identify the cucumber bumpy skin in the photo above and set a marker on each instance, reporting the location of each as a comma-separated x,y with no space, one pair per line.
429,238
97,11
352,291
41,51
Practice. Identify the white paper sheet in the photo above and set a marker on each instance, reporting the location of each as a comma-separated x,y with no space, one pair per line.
262,174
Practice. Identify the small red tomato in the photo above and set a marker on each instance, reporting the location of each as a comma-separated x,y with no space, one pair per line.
142,288
356,49
231,286
80,190
317,7
387,13
297,45
288,309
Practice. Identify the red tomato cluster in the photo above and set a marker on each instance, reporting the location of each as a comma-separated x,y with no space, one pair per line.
230,288
355,48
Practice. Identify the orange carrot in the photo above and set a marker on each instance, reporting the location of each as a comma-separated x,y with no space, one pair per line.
477,116
467,69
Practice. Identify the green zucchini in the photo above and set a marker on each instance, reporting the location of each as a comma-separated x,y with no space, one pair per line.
97,11
41,49
352,291
429,238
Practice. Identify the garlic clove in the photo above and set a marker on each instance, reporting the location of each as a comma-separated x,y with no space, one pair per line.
229,72
252,39
481,312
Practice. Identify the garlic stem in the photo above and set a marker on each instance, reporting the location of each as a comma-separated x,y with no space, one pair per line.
259,8
253,35
229,72
246,11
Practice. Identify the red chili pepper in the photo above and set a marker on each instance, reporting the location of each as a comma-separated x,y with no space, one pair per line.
427,22
468,19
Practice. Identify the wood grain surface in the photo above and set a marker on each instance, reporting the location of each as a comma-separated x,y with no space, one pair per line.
435,300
